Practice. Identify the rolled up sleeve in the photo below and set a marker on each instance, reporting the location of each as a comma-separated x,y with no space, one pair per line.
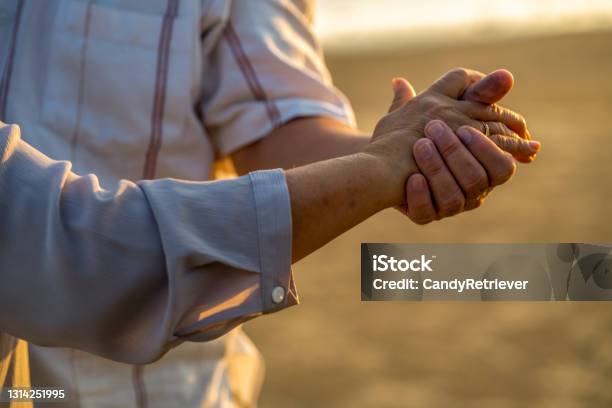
267,69
131,272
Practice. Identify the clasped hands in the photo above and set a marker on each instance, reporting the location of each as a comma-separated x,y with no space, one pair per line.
434,148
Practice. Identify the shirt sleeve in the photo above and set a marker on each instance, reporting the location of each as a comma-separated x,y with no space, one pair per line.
131,272
266,70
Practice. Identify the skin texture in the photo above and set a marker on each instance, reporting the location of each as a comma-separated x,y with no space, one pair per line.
473,104
459,167
515,139
299,142
332,196
429,179
311,139
307,140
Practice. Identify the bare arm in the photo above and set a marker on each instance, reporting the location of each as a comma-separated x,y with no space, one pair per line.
140,247
299,142
330,197
310,139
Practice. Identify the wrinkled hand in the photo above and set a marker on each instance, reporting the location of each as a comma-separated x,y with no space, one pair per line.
420,206
469,97
459,174
489,90
457,171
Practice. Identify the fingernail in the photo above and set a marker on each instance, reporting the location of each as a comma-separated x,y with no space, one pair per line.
435,129
425,150
535,146
465,135
418,184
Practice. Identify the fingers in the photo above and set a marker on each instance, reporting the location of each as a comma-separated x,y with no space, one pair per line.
522,150
447,194
454,83
496,113
402,93
500,166
506,128
490,89
460,173
466,169
419,206
495,128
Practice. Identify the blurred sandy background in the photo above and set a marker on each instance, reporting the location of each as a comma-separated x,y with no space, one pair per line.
335,351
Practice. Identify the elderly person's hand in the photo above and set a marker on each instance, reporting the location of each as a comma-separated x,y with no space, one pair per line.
473,97
458,169
489,90
331,196
425,204
459,174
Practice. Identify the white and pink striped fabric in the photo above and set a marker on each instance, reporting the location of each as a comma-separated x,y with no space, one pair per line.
146,89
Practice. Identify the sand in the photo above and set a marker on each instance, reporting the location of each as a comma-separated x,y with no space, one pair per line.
333,350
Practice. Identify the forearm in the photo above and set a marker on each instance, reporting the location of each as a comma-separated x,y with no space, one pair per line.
330,197
333,185
300,142
107,266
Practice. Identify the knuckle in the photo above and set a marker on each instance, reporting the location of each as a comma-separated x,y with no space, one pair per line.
506,170
452,205
493,128
515,121
523,147
471,108
449,146
460,73
507,131
474,204
501,142
434,167
421,214
522,124
427,99
496,110
438,112
433,105
476,186
501,129
510,170
510,118
505,143
419,210
470,205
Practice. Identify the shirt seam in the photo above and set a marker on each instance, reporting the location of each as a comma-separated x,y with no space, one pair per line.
259,250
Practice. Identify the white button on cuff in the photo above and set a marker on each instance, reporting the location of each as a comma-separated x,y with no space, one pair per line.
278,294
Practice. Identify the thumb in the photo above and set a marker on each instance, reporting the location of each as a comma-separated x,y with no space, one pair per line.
402,93
490,89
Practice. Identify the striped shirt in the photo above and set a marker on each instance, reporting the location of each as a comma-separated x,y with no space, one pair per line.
137,90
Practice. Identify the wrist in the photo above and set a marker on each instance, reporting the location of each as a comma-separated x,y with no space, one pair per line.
392,169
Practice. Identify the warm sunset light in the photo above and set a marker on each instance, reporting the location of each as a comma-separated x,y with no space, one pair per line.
374,21
305,203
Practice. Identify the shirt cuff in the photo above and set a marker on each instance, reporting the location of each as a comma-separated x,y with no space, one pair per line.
273,209
227,247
